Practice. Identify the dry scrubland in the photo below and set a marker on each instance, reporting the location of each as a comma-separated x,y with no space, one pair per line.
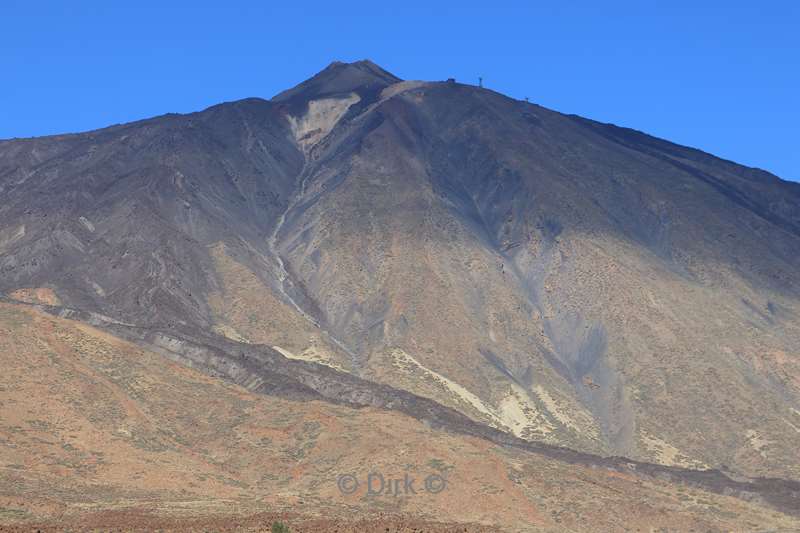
98,432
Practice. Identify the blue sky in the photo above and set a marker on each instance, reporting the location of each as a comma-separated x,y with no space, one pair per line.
720,76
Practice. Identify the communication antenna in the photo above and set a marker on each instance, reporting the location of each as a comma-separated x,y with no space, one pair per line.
480,82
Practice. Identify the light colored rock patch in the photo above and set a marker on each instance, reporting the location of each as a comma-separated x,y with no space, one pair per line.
311,354
9,236
403,361
666,454
512,413
230,333
795,412
320,119
397,88
556,410
98,289
797,429
86,224
517,411
757,441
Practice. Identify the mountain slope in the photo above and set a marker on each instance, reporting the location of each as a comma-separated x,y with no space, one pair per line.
563,280
106,434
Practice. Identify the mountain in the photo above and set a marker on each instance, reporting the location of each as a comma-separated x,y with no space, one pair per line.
493,269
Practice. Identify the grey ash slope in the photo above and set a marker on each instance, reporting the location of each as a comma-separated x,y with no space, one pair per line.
137,202
563,280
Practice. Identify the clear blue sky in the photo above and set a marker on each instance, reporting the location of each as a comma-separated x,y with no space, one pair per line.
720,76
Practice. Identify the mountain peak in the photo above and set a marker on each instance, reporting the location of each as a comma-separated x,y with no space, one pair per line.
340,77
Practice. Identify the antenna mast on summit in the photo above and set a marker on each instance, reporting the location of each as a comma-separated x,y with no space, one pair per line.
480,82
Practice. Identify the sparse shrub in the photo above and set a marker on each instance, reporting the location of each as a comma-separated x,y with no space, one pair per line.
279,527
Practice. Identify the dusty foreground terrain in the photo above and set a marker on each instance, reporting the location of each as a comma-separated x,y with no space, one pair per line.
133,520
99,434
